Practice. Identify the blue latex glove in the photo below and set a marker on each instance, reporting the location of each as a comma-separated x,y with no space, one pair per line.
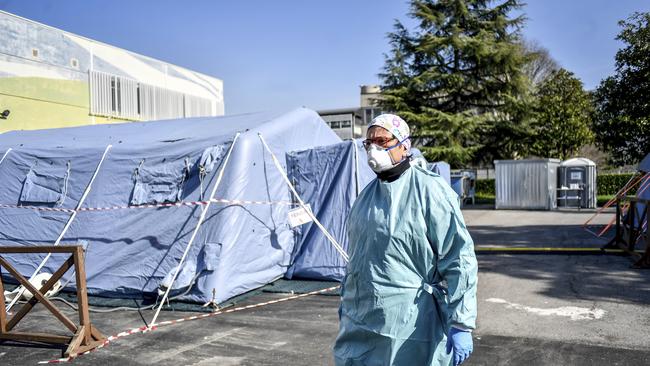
462,344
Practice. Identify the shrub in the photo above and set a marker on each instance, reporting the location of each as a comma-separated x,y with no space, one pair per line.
485,187
610,184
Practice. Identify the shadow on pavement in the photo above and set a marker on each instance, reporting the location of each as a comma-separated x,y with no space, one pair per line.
565,236
499,350
571,277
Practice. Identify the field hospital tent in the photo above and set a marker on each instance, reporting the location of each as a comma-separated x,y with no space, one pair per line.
244,242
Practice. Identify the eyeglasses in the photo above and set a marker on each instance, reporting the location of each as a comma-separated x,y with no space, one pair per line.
379,141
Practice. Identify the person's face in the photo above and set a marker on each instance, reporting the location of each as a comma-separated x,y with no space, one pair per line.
382,138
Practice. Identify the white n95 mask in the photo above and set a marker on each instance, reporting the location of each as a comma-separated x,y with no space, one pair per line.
379,159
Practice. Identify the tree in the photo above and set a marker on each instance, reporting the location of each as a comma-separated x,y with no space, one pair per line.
563,115
622,118
540,64
457,79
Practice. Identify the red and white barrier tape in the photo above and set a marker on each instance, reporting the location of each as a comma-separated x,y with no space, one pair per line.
176,204
145,329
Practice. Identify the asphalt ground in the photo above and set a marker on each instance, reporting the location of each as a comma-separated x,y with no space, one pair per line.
553,309
561,228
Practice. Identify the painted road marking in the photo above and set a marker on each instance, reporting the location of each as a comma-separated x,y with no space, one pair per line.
573,312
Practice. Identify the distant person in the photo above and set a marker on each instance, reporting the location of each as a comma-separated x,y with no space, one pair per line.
409,295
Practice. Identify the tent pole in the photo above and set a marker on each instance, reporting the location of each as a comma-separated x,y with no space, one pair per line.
336,245
5,155
65,228
196,230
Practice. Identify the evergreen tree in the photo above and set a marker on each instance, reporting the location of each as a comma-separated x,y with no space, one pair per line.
622,118
563,115
457,79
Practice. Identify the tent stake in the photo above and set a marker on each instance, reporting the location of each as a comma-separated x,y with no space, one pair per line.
336,245
65,228
196,230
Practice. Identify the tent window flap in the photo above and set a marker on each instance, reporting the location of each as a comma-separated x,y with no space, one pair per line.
44,187
159,183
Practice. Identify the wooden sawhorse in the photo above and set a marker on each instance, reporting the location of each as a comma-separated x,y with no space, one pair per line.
85,337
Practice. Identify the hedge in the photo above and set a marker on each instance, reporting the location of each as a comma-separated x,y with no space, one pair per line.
485,187
608,184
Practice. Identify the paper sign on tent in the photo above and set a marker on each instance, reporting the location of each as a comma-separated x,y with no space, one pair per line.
299,216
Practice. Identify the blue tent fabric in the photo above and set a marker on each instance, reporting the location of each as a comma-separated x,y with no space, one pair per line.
130,251
644,165
326,178
443,169
364,173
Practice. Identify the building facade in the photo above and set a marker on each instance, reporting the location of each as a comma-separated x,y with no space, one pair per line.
51,78
352,123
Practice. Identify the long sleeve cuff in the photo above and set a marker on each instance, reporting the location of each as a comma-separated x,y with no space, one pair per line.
461,327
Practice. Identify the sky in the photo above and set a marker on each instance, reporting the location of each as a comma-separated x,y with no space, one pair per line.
276,55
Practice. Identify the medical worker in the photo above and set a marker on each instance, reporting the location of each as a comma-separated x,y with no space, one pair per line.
409,295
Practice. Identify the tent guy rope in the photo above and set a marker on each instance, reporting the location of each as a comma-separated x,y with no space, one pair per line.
144,329
5,155
159,205
196,229
66,227
336,245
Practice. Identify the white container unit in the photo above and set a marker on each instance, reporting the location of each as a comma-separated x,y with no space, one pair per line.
526,184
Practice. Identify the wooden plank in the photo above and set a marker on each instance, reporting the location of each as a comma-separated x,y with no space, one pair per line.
87,347
86,336
82,295
45,301
33,301
631,215
39,249
36,337
618,221
644,262
76,341
96,334
3,311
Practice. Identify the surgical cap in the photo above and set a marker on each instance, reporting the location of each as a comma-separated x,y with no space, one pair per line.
395,125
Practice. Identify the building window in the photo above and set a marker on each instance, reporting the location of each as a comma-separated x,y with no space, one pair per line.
346,124
335,124
35,52
137,92
74,63
117,96
368,116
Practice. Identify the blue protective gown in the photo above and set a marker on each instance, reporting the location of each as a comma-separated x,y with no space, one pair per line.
412,274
